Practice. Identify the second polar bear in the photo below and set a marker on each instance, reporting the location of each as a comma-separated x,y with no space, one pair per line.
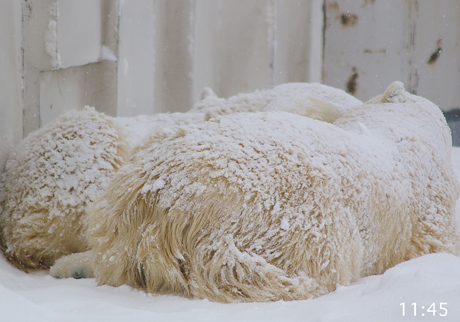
271,206
317,101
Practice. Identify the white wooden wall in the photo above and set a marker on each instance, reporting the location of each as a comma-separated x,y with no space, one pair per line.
131,57
162,52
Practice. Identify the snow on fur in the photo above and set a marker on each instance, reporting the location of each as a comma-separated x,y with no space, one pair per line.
270,206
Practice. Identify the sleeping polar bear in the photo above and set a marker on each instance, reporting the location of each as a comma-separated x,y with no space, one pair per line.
317,101
55,173
273,206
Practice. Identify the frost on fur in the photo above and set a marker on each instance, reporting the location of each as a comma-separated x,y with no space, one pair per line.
49,181
270,206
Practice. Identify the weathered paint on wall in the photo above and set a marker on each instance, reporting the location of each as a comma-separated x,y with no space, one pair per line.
364,45
369,44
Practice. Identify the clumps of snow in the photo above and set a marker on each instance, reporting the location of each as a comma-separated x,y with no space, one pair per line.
157,185
285,224
206,92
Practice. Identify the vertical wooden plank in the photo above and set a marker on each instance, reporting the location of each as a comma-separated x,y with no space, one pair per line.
10,80
136,58
246,55
292,41
61,33
31,75
79,36
174,43
435,63
102,78
364,45
206,55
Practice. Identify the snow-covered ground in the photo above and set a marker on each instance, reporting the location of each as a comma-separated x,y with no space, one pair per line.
431,282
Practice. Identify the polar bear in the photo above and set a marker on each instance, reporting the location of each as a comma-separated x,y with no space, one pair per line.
317,101
274,206
55,173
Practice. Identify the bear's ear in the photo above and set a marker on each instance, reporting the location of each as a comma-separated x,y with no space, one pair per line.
395,93
206,92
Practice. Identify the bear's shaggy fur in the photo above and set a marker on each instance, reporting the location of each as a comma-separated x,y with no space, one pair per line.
49,181
55,173
270,206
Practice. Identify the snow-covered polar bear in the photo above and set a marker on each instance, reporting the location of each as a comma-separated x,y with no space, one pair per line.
317,101
269,206
55,173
